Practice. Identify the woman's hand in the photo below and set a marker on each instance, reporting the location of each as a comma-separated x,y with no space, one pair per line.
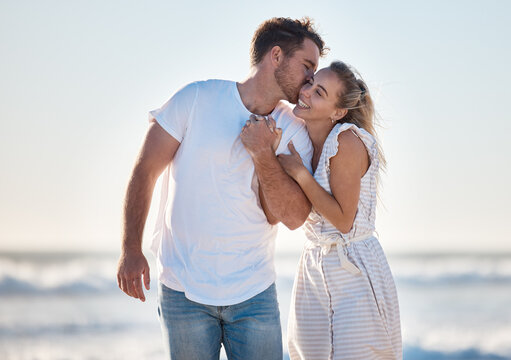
292,164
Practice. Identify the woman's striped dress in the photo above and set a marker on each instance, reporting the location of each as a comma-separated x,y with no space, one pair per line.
344,303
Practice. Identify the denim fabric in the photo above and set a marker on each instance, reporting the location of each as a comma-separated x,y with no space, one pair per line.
249,330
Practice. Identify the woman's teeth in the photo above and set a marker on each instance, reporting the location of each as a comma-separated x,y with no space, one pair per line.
303,105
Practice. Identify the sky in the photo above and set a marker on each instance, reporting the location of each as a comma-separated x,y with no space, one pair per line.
77,79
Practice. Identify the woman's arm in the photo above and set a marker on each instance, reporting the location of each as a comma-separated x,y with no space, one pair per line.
346,169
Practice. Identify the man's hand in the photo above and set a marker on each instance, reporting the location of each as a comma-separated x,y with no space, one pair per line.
132,265
260,135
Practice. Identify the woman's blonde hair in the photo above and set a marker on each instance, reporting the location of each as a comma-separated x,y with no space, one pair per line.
355,98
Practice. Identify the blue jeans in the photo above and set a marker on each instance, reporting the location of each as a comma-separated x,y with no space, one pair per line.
249,330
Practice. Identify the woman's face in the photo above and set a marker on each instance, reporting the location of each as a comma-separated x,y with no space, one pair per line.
317,99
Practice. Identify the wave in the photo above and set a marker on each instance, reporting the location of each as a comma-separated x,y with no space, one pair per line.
96,273
70,329
451,270
61,275
470,278
432,269
9,285
418,353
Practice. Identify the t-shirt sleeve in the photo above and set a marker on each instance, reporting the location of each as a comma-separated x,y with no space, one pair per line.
174,115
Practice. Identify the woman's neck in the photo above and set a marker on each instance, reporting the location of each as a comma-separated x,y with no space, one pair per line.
318,132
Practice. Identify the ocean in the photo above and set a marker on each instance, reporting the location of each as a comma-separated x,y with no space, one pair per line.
68,306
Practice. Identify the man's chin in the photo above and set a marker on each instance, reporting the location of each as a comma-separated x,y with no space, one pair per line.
293,100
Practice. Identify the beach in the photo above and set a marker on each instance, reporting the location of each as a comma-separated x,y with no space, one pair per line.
68,306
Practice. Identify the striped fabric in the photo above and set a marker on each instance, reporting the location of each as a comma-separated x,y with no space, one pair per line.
344,303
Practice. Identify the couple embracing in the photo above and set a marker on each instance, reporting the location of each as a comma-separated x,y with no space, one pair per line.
242,160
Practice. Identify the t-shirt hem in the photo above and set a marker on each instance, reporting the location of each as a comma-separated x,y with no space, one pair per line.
218,302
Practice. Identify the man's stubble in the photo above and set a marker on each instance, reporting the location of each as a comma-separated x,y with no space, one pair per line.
285,82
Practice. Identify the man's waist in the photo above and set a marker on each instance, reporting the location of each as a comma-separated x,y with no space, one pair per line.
220,291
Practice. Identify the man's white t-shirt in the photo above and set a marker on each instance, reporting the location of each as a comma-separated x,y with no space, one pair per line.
212,239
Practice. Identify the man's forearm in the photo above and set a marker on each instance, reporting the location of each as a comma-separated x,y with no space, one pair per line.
136,207
284,197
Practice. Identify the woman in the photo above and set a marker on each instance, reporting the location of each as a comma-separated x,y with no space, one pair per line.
344,303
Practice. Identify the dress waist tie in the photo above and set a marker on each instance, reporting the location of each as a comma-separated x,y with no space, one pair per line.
325,242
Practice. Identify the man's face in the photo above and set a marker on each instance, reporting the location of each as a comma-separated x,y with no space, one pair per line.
296,70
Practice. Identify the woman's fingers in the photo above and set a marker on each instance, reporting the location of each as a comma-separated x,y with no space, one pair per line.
253,119
246,126
257,119
291,148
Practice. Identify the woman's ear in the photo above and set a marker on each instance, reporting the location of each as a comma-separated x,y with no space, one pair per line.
339,114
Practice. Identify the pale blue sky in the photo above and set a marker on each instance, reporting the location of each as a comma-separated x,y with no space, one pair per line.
77,79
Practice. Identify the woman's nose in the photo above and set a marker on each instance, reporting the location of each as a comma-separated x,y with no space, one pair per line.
306,90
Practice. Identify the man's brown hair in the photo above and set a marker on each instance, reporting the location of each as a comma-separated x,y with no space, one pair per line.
287,33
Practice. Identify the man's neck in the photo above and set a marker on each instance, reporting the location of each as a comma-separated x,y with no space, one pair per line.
257,95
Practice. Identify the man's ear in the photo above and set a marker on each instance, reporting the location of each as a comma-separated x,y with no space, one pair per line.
276,56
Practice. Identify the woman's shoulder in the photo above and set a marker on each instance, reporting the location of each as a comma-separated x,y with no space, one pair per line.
348,133
351,133
350,141
358,131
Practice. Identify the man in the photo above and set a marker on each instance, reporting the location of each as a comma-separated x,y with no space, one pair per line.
215,236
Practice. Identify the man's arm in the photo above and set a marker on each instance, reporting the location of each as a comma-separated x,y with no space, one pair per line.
157,152
282,196
269,216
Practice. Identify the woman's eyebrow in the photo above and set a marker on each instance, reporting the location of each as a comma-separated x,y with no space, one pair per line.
322,88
